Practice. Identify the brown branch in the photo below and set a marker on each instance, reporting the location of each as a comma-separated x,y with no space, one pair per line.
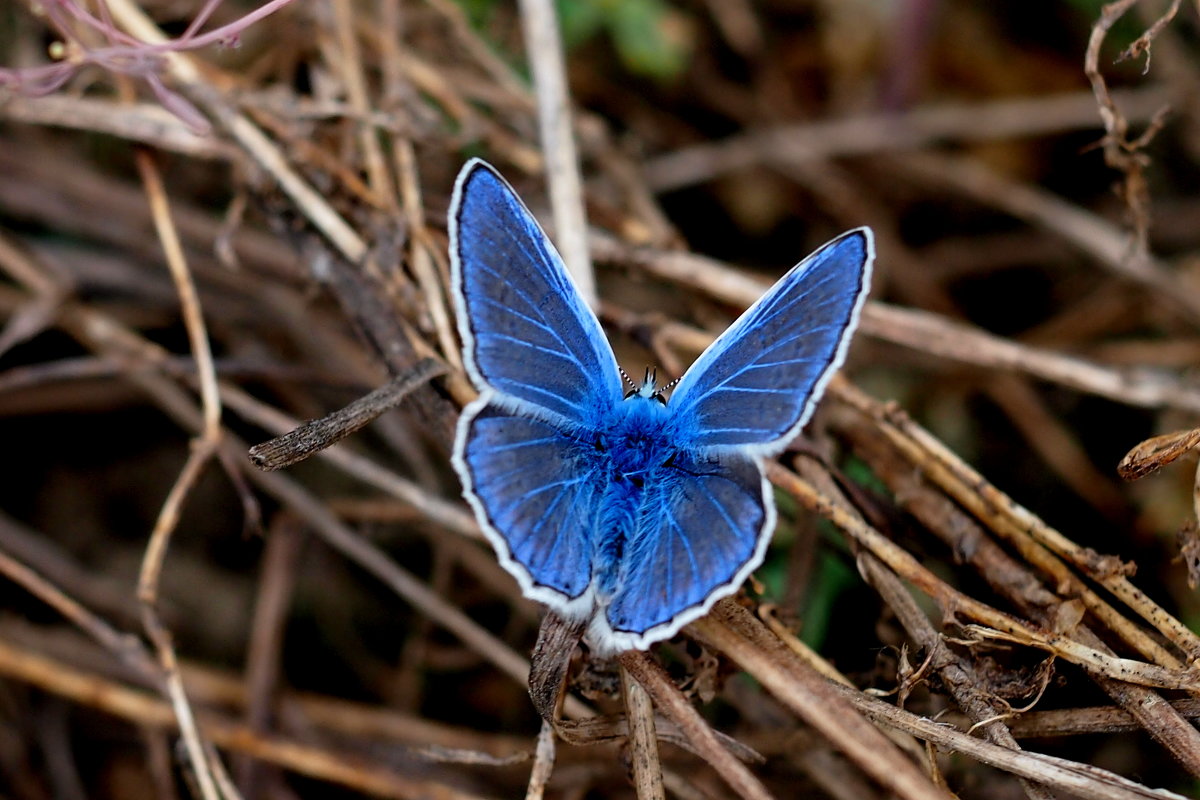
1120,152
643,741
773,665
885,133
733,631
651,676
543,47
346,769
1037,541
966,686
1013,580
204,447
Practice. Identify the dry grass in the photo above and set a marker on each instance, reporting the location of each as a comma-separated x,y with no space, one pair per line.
205,245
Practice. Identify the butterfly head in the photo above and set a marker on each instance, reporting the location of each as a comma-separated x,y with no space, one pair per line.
647,390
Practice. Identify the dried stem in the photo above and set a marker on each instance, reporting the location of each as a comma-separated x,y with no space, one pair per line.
544,49
643,742
333,140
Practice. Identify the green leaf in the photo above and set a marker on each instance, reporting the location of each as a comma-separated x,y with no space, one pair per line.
650,38
831,579
580,20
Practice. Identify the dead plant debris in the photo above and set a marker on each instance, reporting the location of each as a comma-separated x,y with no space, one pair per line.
219,219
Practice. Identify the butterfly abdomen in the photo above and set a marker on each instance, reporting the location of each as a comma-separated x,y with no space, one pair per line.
634,445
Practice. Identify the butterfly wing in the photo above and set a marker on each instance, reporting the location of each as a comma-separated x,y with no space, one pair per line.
533,492
545,372
527,334
700,534
754,388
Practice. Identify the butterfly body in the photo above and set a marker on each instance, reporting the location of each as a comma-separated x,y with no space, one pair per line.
632,459
632,512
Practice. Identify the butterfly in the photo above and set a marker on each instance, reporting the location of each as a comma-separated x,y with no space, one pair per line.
621,509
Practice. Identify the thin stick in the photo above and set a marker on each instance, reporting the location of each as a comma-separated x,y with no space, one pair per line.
643,743
262,672
1119,152
318,434
966,344
543,762
890,133
955,602
351,65
768,661
126,647
440,511
419,255
148,595
1031,535
142,708
544,50
203,448
144,123
646,671
809,695
189,300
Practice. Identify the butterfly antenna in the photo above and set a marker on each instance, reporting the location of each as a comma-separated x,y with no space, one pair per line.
628,380
671,385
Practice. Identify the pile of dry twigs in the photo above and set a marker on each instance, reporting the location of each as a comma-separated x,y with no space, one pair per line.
218,220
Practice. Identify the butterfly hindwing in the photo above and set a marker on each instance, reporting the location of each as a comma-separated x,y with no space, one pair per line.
535,498
527,333
757,385
703,529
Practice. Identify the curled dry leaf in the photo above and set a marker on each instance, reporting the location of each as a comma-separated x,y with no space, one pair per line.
1155,453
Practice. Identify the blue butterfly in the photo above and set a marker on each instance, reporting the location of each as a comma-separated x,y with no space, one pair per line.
623,510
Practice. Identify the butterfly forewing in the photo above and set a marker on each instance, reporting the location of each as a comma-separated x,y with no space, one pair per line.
756,386
527,332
